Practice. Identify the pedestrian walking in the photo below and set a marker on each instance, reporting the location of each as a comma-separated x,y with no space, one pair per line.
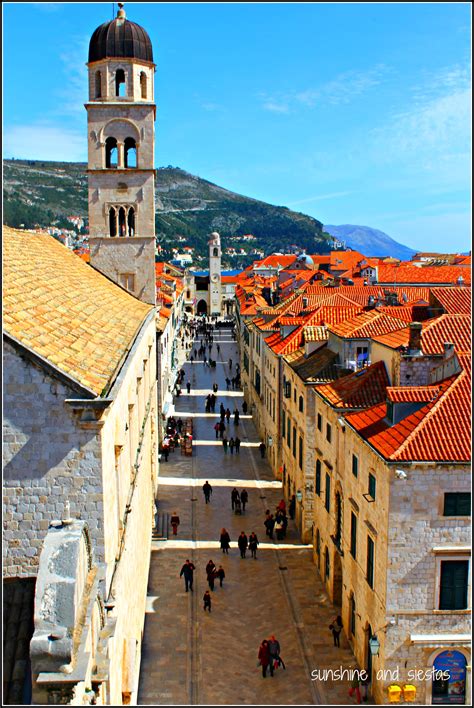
262,447
207,601
269,525
207,489
221,575
217,428
191,359
230,364
222,412
215,387
188,571
225,443
336,628
234,495
227,415
292,507
253,543
188,387
218,349
244,407
244,497
243,544
236,417
274,649
282,506
210,572
264,658
355,683
221,429
231,446
279,528
174,521
227,383
237,446
225,541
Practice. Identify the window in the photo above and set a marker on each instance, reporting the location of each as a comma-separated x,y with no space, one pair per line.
320,422
131,222
362,356
294,441
326,564
127,281
98,84
111,153
130,153
294,395
283,423
300,455
327,501
370,562
353,535
352,615
318,543
300,407
318,477
122,222
372,485
143,84
328,432
355,465
338,536
112,222
120,82
457,504
288,432
453,588
287,387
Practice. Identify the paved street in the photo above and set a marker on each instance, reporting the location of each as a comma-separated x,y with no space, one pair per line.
191,657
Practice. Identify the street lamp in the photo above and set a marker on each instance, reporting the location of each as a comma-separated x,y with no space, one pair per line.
374,645
299,495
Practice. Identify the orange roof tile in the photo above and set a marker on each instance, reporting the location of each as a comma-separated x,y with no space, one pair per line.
367,325
434,333
456,301
439,431
361,389
427,274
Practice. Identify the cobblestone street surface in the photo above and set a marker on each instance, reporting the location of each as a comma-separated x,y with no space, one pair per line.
191,657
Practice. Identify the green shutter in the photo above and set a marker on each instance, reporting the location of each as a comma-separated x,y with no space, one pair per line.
353,535
457,504
453,590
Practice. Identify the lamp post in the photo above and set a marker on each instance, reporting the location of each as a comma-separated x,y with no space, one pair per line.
374,645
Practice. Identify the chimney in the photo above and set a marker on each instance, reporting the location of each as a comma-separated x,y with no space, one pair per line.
371,302
448,350
414,342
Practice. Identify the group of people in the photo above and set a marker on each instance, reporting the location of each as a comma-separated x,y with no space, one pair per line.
269,655
173,437
244,543
277,522
212,572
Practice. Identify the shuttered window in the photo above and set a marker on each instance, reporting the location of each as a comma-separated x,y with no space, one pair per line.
453,590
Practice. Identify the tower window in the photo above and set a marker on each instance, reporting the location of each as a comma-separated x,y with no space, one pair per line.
215,252
98,84
130,149
111,152
143,84
120,82
121,220
112,222
131,222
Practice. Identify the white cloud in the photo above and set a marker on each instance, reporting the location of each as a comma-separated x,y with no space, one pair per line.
45,141
75,88
275,106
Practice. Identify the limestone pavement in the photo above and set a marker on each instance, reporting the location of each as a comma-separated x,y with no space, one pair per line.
191,657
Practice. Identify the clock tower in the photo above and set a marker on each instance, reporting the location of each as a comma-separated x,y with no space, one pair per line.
215,285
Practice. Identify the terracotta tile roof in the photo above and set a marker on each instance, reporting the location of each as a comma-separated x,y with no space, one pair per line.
65,311
455,301
315,334
360,389
366,326
328,315
434,333
409,313
343,260
439,431
412,394
428,274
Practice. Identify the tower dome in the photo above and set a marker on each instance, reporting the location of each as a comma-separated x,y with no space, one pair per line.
120,38
304,258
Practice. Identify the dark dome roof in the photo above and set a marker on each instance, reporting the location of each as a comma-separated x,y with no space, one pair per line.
120,38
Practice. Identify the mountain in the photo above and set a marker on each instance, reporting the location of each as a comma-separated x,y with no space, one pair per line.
188,209
370,242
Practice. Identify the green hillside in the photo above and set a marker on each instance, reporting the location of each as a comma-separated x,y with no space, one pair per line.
188,209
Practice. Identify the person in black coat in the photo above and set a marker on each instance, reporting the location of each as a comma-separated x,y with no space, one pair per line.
243,544
253,543
225,541
292,507
188,571
244,497
207,489
210,571
221,575
234,495
244,407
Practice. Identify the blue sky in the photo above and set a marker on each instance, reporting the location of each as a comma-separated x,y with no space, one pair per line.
353,113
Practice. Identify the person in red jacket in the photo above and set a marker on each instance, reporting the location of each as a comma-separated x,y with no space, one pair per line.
264,658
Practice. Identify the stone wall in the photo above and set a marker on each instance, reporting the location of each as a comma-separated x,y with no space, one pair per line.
47,461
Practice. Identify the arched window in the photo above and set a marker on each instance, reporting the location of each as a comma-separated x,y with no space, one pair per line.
112,222
143,84
215,252
120,86
111,152
98,84
130,150
122,222
131,222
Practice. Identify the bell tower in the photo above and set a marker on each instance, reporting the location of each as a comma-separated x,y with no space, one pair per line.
215,284
121,139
